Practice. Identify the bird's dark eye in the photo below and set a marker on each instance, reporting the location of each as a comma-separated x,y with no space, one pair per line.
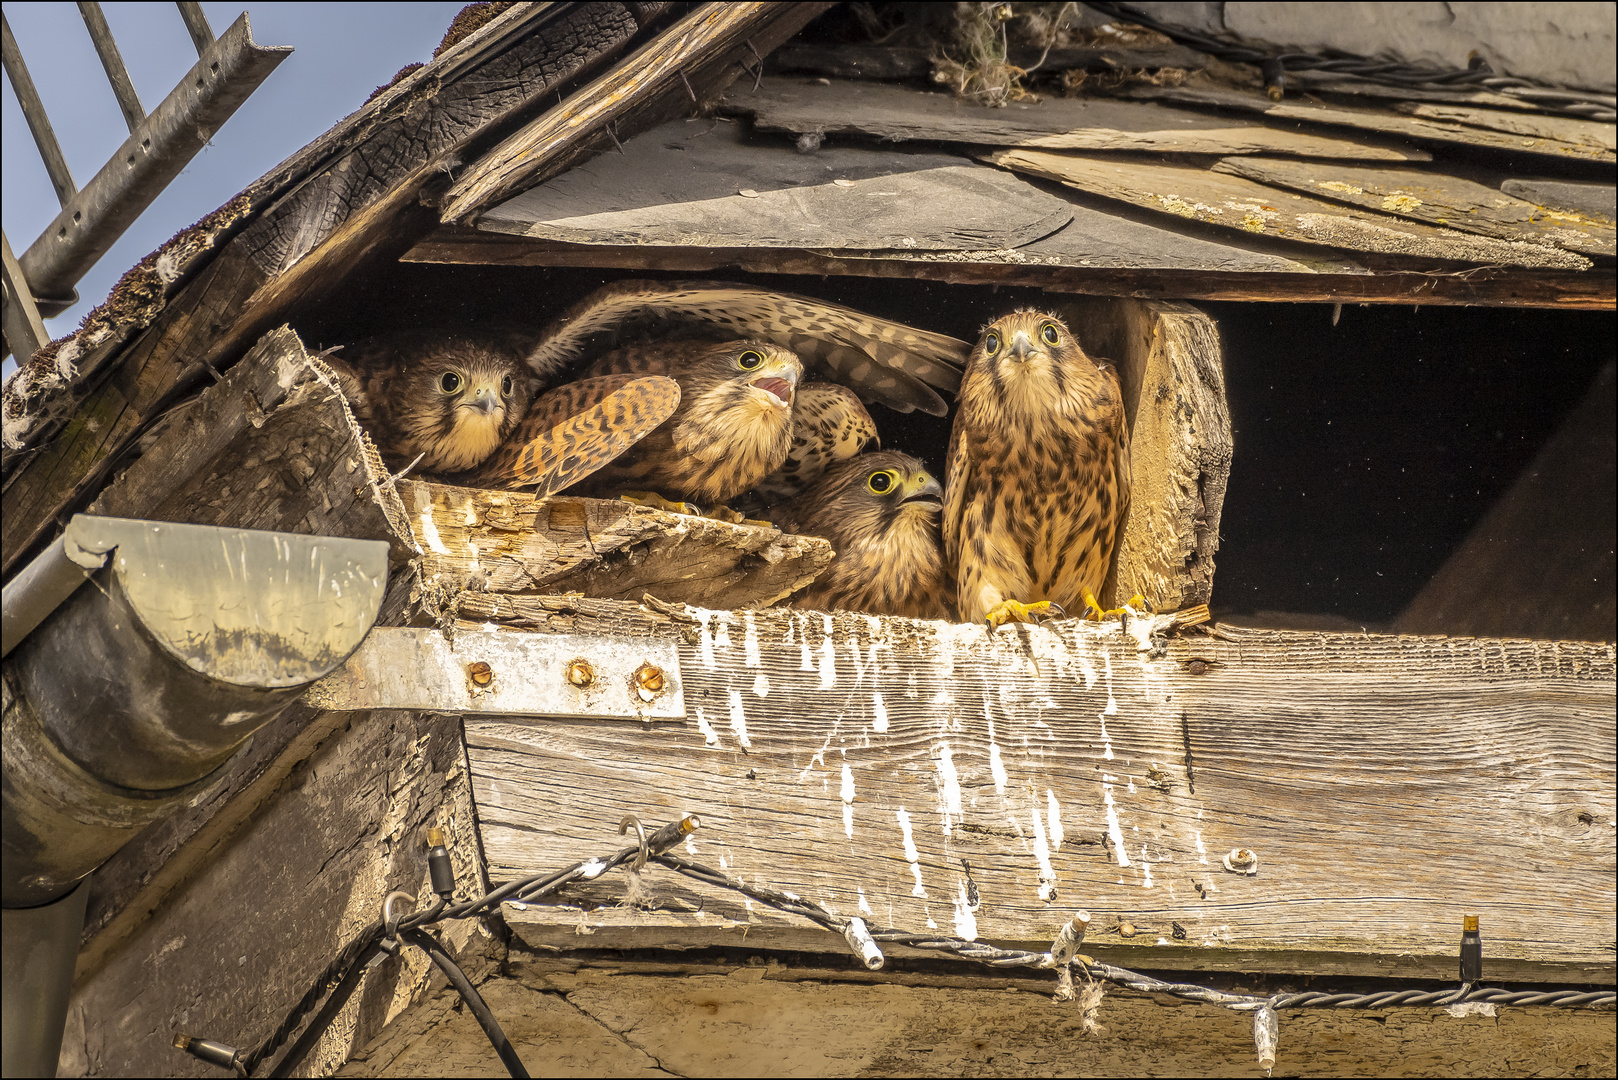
450,382
750,359
882,482
1049,332
505,386
991,342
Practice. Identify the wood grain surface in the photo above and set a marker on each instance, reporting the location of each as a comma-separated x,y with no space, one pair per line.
1388,786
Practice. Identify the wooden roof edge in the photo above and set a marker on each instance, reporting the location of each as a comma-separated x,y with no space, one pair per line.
42,389
301,229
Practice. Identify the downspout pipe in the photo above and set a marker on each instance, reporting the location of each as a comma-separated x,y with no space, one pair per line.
139,658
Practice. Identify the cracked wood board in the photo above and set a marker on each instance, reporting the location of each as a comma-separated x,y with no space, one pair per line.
701,185
1591,133
1387,784
1171,371
1383,123
493,543
897,114
1239,204
1446,201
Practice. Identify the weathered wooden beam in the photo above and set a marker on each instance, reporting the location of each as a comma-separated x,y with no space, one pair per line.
1104,269
495,544
616,1015
1172,373
1387,785
348,197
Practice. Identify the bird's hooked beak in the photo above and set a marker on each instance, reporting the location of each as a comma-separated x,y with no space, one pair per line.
1022,347
921,488
485,399
779,379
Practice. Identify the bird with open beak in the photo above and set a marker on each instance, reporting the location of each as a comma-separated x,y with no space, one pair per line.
733,426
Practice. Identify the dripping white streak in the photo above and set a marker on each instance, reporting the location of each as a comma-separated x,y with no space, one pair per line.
750,640
828,659
738,719
997,768
966,924
879,715
1146,867
911,854
848,800
705,649
761,684
709,735
1042,853
864,907
1114,830
1053,823
950,784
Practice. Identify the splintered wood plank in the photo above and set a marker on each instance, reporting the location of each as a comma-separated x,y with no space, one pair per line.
1446,201
709,48
1075,260
1387,785
1243,205
1566,129
1597,201
1384,123
701,185
896,113
508,542
1172,374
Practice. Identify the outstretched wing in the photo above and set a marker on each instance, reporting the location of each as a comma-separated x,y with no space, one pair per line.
884,361
575,429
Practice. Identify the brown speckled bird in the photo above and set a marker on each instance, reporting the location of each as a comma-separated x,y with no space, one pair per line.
880,511
1038,478
733,426
444,402
570,432
829,425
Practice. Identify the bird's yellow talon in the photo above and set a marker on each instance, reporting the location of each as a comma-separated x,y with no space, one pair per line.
1094,610
1013,611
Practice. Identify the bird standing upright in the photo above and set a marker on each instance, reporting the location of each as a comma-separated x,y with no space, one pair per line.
1037,487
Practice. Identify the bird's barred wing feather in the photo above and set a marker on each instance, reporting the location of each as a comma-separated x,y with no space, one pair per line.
575,429
885,361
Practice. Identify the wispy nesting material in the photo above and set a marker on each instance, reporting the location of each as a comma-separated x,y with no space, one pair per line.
974,63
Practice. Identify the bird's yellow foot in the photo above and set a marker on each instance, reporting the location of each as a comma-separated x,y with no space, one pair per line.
1013,611
657,502
725,513
1093,609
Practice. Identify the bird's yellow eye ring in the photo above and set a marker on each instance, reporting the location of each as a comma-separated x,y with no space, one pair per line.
450,382
750,359
1051,335
991,342
506,385
882,482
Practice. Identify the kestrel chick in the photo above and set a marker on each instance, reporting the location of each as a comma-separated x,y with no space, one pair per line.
829,425
450,399
1038,478
733,426
880,511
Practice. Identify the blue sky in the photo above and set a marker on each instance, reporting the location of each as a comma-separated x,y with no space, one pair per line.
342,52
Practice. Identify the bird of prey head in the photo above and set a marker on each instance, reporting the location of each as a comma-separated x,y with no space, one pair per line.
881,513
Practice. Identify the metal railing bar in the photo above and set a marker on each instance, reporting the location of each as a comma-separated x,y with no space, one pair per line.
196,23
228,72
24,329
107,48
50,151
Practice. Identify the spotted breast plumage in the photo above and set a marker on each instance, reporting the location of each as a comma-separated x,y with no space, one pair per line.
880,511
1038,476
733,426
829,425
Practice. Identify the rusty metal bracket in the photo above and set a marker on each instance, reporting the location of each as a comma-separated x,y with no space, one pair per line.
508,673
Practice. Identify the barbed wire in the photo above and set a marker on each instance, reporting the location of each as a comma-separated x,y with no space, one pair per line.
1580,103
383,937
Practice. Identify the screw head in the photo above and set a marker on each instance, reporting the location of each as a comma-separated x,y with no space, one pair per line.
580,673
649,681
480,673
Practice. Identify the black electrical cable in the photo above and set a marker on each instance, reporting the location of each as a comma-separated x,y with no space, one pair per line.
328,1012
474,1001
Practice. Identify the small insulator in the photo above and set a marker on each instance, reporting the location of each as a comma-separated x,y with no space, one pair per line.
1266,1034
439,867
218,1054
1471,950
864,945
